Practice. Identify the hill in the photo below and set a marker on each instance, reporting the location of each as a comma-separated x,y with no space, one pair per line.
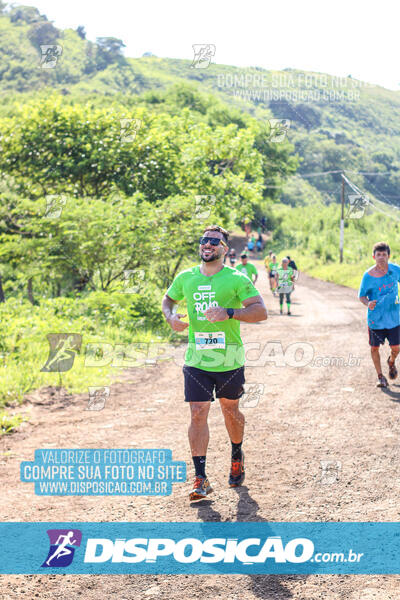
334,123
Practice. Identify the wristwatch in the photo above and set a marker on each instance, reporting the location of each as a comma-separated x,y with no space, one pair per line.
230,312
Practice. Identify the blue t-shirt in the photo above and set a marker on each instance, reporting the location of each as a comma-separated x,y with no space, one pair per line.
386,313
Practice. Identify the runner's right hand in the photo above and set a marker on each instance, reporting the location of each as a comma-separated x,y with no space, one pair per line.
176,323
372,304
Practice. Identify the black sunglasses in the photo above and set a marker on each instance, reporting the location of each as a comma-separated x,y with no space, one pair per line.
213,241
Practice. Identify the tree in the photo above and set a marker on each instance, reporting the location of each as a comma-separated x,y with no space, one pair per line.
278,162
222,115
89,245
109,50
185,95
52,148
80,30
90,58
43,33
26,14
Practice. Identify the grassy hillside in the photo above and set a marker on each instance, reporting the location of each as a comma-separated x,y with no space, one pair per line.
335,123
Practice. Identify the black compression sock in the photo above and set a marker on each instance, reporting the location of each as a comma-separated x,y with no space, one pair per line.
200,465
236,451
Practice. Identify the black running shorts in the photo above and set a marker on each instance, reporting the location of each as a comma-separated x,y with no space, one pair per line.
200,385
378,336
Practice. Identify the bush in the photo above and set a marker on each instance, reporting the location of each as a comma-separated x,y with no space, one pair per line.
113,318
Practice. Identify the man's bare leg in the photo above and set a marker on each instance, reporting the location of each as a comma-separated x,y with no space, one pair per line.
198,431
394,353
234,419
376,359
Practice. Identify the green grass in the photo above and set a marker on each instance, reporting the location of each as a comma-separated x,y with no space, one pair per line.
9,423
310,235
107,319
342,274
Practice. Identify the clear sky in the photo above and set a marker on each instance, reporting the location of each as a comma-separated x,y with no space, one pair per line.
344,37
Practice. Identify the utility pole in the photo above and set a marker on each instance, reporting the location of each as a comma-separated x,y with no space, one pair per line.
342,223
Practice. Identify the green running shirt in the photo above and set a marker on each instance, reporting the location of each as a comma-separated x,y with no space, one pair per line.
273,267
214,347
248,269
285,284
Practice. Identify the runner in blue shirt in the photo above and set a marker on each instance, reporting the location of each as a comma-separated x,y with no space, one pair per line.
379,291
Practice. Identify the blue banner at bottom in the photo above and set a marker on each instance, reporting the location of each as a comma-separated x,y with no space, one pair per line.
209,548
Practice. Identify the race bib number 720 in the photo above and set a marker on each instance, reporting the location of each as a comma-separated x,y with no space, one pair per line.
205,340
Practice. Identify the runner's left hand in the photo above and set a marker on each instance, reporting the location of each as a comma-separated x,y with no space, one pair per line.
216,313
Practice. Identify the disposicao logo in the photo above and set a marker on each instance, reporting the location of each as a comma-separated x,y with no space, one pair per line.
190,550
62,542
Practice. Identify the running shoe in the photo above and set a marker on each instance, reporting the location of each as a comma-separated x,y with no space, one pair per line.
201,487
236,476
392,369
288,312
382,382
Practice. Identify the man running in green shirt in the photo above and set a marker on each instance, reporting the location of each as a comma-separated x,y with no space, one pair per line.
272,267
214,358
247,268
284,280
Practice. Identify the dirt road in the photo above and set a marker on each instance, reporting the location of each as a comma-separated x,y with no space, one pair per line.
307,414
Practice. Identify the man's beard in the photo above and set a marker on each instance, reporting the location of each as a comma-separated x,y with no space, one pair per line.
211,258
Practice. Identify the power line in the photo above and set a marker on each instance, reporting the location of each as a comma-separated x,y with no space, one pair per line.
316,173
383,212
353,186
342,171
367,173
366,199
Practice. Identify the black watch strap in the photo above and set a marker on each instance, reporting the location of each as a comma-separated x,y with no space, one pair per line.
230,312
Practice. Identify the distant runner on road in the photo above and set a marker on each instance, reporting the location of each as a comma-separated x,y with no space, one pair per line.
251,243
247,268
272,267
260,242
267,259
293,266
214,359
379,292
284,281
232,257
